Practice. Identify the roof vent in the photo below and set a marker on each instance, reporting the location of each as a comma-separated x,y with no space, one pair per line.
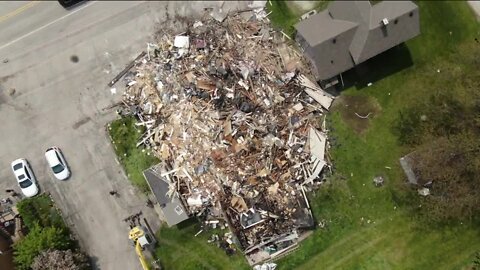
385,21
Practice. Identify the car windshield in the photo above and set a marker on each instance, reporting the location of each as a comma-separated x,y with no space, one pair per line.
57,168
25,184
17,166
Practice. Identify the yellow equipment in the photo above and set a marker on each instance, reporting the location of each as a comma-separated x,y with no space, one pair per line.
141,240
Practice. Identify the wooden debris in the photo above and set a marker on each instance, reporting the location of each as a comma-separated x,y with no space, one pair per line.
230,116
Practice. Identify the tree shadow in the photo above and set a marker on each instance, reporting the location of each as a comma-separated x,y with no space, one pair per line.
94,263
379,67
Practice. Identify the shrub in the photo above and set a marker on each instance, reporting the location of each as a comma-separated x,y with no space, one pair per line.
38,240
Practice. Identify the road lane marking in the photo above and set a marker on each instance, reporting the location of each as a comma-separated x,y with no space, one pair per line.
46,25
18,11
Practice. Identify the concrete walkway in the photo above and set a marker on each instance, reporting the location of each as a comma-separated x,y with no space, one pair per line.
476,7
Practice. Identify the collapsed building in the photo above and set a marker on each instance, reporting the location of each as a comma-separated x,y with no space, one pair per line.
229,109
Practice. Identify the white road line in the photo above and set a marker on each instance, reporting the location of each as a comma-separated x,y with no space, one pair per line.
46,25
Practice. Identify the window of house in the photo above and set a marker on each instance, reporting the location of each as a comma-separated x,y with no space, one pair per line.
411,14
334,40
396,21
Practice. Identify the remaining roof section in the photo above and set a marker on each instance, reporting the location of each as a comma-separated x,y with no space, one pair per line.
174,212
321,27
171,206
158,186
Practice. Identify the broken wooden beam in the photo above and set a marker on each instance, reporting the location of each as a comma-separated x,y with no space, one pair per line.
126,69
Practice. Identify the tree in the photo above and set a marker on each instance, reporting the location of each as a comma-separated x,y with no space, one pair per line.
40,210
38,240
61,260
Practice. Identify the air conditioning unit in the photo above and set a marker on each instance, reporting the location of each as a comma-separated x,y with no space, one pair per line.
385,21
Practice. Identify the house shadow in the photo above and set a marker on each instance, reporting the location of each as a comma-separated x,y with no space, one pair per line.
188,223
377,68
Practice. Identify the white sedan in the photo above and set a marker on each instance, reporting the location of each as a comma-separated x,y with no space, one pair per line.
57,162
25,178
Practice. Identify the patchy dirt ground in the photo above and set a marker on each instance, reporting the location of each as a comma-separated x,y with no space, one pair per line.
357,111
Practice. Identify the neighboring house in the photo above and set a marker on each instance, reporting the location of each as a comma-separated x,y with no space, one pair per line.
172,207
351,32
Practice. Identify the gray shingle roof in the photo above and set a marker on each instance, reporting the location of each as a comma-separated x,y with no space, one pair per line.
389,10
172,208
158,186
371,36
314,30
354,11
174,212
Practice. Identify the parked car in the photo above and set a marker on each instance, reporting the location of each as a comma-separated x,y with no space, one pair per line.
57,163
25,178
69,3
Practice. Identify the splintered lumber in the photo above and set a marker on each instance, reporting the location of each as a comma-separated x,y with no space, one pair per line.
318,141
126,69
317,166
145,138
316,92
232,124
323,100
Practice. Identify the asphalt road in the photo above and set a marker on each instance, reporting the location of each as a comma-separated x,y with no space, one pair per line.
57,101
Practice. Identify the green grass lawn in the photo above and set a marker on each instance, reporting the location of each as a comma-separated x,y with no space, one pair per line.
395,237
125,135
179,249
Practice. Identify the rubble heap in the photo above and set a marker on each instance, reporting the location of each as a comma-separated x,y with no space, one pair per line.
225,111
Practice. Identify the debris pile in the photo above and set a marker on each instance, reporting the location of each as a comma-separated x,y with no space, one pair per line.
378,181
240,129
